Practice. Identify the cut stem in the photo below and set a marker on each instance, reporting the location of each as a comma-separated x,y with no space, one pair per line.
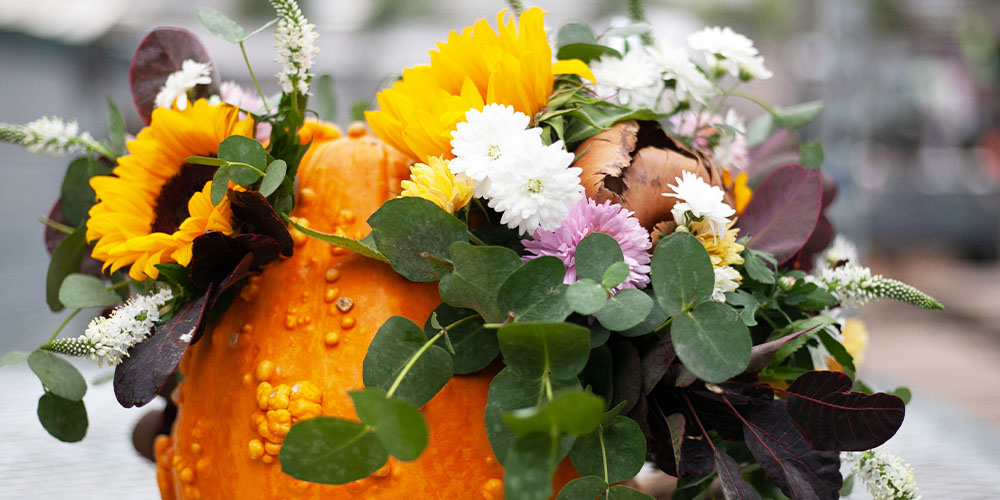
58,226
254,77
63,325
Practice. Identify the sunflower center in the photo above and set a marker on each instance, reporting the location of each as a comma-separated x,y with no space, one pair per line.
171,207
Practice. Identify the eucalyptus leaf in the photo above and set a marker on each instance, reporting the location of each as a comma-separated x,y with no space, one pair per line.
398,426
13,358
535,291
362,246
625,309
585,52
759,129
396,344
480,272
66,259
534,349
811,154
64,419
586,487
651,322
634,29
475,347
83,291
331,451
221,26
116,130
220,184
712,341
575,33
530,466
239,149
797,116
681,273
325,99
569,412
76,195
57,375
510,391
620,492
586,296
615,274
205,160
595,253
275,175
619,445
409,230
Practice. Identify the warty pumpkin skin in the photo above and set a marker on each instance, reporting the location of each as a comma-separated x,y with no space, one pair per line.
286,350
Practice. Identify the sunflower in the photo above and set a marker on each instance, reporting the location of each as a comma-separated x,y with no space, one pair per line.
155,205
511,66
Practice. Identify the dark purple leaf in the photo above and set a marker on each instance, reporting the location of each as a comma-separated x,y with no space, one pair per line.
670,443
151,362
733,485
152,424
821,238
655,363
833,417
801,472
761,354
252,208
161,53
783,212
215,256
628,375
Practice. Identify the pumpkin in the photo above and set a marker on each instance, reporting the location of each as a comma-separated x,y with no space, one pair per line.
291,346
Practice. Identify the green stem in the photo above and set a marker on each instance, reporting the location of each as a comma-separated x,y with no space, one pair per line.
95,147
664,325
420,352
58,226
119,285
756,100
604,452
517,6
254,78
251,167
637,13
63,325
475,239
548,385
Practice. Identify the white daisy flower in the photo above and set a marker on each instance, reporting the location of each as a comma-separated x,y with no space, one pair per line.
634,79
108,338
674,63
730,52
489,141
538,190
727,280
705,202
174,91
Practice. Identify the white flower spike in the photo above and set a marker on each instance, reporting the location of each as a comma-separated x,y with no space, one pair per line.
296,44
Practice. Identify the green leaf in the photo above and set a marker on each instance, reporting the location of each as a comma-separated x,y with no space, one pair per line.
587,487
747,303
57,375
619,492
116,130
395,344
206,160
13,358
571,411
83,291
615,275
220,184
595,253
681,273
586,296
509,391
398,426
65,260
634,29
575,33
759,129
533,349
813,325
275,175
258,30
712,341
239,149
361,247
756,267
331,451
64,419
901,392
77,196
535,291
406,230
475,347
620,444
479,273
530,465
625,309
221,26
811,154
179,279
838,351
324,97
797,116
358,110
652,321
585,52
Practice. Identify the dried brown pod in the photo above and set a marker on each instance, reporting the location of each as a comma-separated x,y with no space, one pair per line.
632,164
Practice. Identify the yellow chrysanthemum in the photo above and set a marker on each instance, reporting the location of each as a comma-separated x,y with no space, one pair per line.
723,251
512,66
434,181
155,205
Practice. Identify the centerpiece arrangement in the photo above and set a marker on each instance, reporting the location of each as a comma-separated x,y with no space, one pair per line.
547,267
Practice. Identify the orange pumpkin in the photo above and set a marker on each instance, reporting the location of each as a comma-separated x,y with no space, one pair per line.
292,346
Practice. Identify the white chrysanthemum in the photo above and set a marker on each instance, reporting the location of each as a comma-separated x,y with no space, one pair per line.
108,338
634,79
53,136
727,280
174,91
489,141
885,476
296,44
704,201
674,64
731,52
732,147
537,190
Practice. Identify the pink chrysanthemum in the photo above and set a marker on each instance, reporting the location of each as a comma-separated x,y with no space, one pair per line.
586,217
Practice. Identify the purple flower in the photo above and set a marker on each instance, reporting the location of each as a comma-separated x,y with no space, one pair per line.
586,217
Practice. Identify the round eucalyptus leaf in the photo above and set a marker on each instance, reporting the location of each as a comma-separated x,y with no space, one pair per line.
57,375
531,349
583,487
396,343
712,341
595,253
83,291
398,426
625,309
586,296
331,451
623,449
681,273
64,419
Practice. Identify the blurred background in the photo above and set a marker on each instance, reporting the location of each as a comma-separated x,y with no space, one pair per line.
911,132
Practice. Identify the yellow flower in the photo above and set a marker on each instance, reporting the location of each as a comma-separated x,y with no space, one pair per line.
155,205
723,251
512,66
741,191
855,342
433,181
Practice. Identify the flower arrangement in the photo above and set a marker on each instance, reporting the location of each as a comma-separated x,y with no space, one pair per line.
582,210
